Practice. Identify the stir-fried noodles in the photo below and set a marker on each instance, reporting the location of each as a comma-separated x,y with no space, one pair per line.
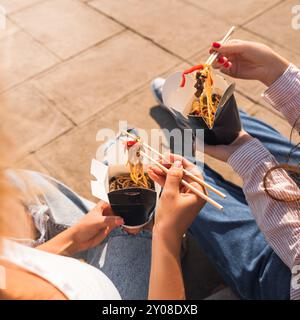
205,101
137,177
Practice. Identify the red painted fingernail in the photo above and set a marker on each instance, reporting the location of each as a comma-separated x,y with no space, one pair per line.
216,45
226,64
221,60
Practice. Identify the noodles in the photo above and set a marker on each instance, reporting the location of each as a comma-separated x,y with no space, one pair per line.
137,175
136,178
124,181
135,163
205,102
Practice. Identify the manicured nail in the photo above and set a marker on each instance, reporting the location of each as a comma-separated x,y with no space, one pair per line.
216,45
221,60
177,164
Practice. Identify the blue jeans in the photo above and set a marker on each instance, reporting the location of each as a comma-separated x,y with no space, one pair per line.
232,239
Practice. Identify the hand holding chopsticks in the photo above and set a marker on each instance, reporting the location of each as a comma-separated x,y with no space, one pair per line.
185,183
186,172
214,55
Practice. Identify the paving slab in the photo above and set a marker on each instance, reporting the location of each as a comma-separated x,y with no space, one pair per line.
178,26
276,25
22,58
66,27
32,119
235,12
10,29
31,162
14,5
101,76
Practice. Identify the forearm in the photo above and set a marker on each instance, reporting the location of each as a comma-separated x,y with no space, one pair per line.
166,280
63,244
279,221
284,95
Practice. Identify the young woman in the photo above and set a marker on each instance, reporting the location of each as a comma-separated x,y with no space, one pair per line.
48,271
255,243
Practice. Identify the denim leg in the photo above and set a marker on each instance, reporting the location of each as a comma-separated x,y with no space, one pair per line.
232,239
278,145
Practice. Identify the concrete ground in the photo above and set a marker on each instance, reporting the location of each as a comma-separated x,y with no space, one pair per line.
72,67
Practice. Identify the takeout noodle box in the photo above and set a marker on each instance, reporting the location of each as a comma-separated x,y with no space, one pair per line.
179,100
135,205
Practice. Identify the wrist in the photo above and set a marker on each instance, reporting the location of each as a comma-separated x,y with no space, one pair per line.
165,234
275,70
242,139
69,241
63,244
246,159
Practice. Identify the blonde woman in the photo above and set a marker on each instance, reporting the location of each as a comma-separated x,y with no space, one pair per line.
36,269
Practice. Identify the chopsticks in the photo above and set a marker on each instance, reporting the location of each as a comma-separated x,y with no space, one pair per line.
186,172
214,55
209,61
188,185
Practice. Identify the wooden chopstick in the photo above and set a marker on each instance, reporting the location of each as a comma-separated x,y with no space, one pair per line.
214,55
186,172
185,183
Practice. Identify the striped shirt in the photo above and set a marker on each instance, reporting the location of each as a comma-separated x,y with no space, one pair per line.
279,221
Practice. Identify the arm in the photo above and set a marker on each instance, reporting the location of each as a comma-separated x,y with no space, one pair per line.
166,281
63,244
176,210
279,221
256,61
87,233
284,95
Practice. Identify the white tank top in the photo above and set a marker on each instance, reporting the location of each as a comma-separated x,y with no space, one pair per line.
76,280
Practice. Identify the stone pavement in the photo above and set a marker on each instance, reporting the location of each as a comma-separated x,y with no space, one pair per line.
72,67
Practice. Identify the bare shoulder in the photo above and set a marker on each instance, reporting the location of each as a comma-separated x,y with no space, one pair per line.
19,284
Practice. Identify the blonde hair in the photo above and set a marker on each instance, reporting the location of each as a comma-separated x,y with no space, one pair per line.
14,220
6,189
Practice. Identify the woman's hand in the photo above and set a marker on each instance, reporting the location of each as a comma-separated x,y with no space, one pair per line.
176,210
249,60
90,231
178,206
95,227
223,152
